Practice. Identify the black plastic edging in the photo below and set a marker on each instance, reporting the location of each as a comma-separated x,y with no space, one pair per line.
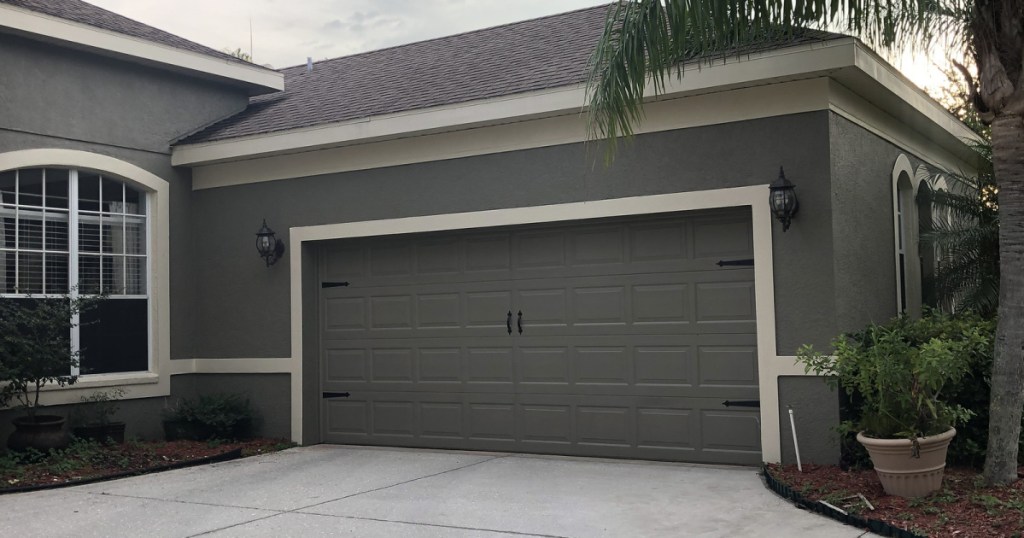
878,527
227,456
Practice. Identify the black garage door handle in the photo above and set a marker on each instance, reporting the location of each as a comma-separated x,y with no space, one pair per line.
335,395
520,322
508,322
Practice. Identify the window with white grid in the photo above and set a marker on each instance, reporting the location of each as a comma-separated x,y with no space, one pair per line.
79,232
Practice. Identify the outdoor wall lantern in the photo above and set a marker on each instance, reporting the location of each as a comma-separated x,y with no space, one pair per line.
783,200
270,247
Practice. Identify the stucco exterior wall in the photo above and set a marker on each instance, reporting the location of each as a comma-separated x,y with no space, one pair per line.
862,217
244,306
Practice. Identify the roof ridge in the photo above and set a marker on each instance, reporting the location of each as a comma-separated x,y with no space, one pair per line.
450,36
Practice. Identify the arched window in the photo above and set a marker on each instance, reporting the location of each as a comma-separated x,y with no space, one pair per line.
71,231
912,216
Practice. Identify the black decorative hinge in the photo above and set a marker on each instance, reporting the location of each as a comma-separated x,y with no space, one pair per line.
336,395
742,403
723,263
333,284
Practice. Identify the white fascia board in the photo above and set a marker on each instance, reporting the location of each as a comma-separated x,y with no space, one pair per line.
805,61
259,79
881,71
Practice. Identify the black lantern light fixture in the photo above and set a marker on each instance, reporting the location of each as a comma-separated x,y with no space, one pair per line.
783,200
270,247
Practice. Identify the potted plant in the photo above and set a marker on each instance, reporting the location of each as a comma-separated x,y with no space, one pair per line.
93,417
35,351
900,374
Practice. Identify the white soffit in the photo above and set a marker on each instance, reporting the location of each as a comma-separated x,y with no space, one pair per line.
17,20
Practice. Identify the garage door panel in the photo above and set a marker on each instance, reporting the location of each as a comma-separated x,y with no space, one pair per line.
633,337
438,256
440,365
727,366
728,237
731,431
550,366
546,423
489,365
598,245
441,420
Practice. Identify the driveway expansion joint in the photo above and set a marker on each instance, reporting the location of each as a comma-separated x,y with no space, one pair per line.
297,510
439,525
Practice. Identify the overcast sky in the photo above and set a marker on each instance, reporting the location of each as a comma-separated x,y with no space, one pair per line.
285,32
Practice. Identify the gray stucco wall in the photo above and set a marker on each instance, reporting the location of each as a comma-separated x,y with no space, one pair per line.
53,97
862,215
244,306
816,414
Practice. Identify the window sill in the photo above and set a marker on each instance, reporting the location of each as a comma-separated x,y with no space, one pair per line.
136,385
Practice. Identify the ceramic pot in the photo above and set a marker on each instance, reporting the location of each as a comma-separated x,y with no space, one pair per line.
43,433
904,473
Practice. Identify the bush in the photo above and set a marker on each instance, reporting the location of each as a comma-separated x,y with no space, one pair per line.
215,416
914,377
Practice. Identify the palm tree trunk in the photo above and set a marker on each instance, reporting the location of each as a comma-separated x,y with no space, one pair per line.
1008,368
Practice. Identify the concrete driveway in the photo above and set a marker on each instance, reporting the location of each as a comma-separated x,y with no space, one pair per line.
376,492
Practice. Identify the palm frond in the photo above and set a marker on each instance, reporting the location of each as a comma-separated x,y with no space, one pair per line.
645,40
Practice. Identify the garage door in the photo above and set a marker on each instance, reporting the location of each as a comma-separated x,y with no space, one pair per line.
616,338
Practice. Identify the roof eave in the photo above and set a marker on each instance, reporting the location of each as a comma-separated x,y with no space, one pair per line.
254,79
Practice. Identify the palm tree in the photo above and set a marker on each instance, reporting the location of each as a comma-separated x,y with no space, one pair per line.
645,39
964,231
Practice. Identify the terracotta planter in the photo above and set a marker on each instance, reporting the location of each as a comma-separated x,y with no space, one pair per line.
106,433
900,472
44,433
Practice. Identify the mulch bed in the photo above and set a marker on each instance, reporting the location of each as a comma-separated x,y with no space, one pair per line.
965,507
90,462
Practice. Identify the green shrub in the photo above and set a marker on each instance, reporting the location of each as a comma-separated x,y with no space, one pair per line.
214,416
909,378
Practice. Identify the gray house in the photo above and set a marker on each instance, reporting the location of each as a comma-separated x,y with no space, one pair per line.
457,258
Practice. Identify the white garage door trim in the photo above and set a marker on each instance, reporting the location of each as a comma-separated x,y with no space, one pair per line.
770,365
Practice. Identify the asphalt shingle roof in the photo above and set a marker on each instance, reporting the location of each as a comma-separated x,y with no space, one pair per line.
526,56
86,13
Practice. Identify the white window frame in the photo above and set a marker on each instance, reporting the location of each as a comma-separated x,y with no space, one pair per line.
155,382
74,219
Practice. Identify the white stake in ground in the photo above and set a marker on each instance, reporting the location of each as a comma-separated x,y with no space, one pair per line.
796,446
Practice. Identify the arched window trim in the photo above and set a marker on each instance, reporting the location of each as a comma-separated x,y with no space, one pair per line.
906,227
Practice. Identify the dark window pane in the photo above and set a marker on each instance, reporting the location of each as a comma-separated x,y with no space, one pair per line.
135,201
30,230
7,187
89,234
56,231
56,273
113,196
114,337
30,186
30,272
88,274
56,188
88,191
8,261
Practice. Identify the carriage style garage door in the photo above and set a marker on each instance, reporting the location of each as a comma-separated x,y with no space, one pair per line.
615,337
